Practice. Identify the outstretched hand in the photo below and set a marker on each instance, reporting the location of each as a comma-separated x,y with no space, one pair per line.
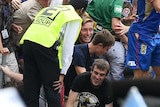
5,69
16,4
4,51
121,29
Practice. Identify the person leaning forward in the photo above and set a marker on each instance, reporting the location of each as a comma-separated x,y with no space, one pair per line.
92,89
48,49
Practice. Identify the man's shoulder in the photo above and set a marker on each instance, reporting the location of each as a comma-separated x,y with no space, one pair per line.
81,49
84,75
81,46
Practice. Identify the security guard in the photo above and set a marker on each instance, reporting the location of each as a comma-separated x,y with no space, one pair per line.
47,50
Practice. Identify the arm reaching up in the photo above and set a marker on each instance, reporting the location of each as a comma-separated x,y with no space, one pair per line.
11,74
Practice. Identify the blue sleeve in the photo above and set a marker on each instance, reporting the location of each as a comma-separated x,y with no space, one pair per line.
79,57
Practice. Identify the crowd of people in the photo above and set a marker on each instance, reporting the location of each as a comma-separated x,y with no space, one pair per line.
79,53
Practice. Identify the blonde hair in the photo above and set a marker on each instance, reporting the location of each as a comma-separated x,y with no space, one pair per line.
86,19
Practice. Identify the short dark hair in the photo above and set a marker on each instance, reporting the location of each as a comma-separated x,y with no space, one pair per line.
79,4
101,64
104,37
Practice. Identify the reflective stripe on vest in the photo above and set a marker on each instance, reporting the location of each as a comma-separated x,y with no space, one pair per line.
47,25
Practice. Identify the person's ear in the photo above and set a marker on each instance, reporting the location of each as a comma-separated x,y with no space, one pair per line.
107,72
82,11
91,70
100,44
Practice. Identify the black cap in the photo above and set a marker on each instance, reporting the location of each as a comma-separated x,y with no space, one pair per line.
79,4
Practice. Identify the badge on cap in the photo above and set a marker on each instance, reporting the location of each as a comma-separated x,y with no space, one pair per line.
126,12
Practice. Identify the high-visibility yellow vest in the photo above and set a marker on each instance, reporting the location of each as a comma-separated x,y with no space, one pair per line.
48,23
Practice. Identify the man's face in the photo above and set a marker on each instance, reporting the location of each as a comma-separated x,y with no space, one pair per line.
86,32
97,76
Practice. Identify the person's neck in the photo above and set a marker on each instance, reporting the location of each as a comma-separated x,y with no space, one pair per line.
95,87
91,48
80,41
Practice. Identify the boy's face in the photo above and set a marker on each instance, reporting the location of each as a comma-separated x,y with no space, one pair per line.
98,76
86,32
